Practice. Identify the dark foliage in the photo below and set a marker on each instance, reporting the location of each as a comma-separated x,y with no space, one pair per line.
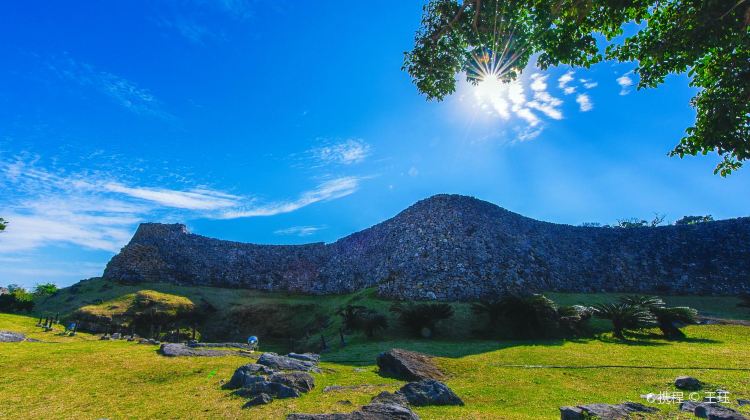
18,300
360,318
531,316
624,316
422,318
667,319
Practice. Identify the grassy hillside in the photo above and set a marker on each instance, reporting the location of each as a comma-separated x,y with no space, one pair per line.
275,317
82,377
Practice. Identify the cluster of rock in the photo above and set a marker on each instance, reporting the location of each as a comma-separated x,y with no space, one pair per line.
452,247
274,376
710,408
425,389
604,411
12,337
387,405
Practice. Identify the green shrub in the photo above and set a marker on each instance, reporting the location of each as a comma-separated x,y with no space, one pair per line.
521,316
18,300
624,316
667,318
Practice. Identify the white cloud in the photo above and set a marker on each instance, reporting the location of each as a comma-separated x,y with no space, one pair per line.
413,171
584,102
299,230
326,191
588,84
625,83
196,199
346,152
122,91
566,78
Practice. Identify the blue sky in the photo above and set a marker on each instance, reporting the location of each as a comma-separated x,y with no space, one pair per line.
292,122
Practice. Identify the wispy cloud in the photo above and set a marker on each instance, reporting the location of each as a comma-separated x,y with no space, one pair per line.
584,102
345,152
98,211
196,199
625,83
299,230
119,89
329,190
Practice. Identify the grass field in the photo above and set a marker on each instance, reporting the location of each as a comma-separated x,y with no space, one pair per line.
83,377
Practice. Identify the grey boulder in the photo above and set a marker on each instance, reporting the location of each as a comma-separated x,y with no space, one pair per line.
301,381
408,365
604,411
307,357
274,389
713,411
274,361
259,399
688,383
247,374
178,350
386,397
429,392
11,337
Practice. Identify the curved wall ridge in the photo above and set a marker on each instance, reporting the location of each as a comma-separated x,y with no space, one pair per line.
453,247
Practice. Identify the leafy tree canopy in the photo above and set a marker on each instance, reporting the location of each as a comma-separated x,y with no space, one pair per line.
708,39
45,289
3,224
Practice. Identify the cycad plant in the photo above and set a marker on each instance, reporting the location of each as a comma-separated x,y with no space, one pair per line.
667,318
624,316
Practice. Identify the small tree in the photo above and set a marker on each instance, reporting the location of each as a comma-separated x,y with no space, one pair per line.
694,220
624,316
3,224
45,289
350,316
422,318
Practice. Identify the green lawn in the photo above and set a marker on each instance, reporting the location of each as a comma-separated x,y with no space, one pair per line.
82,377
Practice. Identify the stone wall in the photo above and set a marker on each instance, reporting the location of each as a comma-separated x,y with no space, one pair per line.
453,247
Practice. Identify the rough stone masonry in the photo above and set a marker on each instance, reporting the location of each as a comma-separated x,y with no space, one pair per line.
452,247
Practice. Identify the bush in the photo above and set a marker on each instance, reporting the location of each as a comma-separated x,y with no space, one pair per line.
421,319
524,316
18,300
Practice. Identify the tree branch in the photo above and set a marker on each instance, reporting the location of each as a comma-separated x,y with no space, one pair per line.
477,6
449,26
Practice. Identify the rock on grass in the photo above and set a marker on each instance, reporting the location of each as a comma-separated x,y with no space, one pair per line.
408,365
429,392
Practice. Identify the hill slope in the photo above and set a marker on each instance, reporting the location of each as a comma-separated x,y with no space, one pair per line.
453,247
